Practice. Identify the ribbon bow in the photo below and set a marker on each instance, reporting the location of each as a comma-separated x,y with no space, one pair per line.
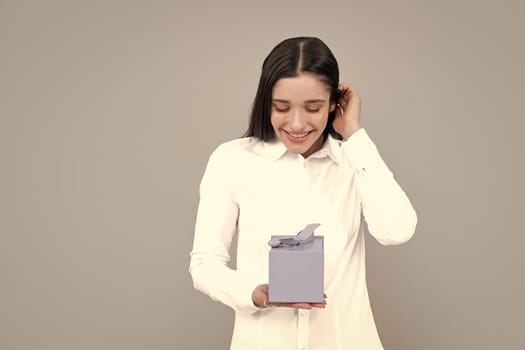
304,236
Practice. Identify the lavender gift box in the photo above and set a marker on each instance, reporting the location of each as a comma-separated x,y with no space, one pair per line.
297,267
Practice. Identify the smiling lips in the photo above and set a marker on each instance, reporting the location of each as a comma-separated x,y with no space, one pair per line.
297,137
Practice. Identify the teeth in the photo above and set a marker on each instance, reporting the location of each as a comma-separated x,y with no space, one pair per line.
298,136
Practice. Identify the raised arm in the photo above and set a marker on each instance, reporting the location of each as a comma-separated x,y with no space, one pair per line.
387,210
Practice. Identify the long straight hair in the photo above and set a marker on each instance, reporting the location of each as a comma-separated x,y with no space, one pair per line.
290,58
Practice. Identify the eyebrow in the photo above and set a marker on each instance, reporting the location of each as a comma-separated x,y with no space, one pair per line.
318,100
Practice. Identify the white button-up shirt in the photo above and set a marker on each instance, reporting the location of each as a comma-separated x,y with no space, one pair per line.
257,189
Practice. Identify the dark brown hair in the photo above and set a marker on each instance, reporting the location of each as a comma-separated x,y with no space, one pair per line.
290,58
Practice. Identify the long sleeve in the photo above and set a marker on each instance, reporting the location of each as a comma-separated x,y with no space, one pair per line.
255,189
215,226
390,217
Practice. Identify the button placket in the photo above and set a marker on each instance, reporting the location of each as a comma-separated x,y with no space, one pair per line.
302,314
302,328
304,185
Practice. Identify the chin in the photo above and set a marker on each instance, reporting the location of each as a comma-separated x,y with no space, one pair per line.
299,147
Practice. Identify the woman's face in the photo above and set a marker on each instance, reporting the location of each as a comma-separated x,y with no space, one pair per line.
300,107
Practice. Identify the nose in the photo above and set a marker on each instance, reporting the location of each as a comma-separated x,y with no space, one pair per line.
297,121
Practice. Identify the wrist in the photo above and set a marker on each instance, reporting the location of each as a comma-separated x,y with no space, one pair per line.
350,131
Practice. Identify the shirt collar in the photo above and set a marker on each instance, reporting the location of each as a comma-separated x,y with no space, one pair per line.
276,149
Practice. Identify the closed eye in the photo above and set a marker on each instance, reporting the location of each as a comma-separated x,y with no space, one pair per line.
281,107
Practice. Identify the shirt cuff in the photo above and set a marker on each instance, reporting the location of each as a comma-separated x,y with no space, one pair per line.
362,154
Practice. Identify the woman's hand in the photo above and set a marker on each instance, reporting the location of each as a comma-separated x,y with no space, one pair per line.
348,112
260,299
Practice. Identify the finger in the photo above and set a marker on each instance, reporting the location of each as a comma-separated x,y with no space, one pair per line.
343,92
295,305
266,299
319,305
343,87
340,109
345,96
309,305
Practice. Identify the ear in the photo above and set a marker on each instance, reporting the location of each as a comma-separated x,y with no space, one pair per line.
332,107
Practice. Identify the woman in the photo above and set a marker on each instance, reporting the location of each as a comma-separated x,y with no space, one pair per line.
304,159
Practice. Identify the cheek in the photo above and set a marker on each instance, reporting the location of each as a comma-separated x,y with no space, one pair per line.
276,120
322,121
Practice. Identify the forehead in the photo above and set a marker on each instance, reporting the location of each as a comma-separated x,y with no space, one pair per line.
302,87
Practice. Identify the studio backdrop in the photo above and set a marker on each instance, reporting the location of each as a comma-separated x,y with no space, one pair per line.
109,111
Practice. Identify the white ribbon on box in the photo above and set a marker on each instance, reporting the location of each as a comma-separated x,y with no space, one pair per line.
304,236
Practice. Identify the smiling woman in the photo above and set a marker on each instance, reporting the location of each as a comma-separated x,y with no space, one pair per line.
300,109
290,59
304,159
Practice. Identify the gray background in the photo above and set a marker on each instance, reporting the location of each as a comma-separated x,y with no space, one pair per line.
110,109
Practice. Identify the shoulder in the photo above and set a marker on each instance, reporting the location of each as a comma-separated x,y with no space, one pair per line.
235,145
236,150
